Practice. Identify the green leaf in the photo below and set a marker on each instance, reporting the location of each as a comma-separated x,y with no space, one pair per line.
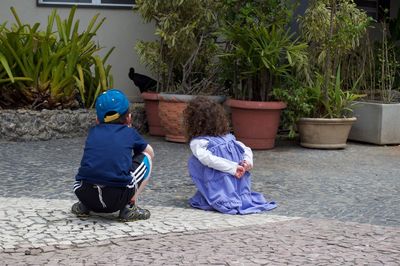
4,63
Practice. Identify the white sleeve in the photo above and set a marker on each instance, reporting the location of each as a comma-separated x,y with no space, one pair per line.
248,153
199,150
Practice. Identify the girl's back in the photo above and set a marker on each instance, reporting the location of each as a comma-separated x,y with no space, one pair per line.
222,191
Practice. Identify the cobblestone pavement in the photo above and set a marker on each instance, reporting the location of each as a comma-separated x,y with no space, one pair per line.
338,207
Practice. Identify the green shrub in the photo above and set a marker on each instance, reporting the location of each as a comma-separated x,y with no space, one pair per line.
310,101
183,56
51,68
260,49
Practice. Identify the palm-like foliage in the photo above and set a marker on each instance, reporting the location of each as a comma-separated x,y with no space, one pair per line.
261,56
260,50
339,101
50,68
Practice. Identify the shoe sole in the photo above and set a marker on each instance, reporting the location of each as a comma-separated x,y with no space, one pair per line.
131,220
81,215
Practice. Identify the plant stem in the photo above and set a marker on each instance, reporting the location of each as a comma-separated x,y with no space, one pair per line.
328,60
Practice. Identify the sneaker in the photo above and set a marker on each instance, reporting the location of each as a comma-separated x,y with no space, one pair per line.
79,209
133,213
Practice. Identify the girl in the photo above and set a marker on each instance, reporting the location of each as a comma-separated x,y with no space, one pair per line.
220,164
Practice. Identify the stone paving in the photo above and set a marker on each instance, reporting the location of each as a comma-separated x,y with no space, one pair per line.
291,242
334,208
38,223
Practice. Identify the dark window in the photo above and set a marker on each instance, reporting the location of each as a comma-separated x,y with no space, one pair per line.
374,8
66,1
88,3
125,2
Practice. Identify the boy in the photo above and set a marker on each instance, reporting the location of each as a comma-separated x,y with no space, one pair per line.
110,178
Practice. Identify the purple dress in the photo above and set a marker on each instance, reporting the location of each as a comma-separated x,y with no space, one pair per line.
222,191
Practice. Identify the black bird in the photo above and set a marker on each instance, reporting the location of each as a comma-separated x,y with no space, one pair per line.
143,82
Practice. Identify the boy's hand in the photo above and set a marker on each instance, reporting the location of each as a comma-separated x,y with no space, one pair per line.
246,165
239,171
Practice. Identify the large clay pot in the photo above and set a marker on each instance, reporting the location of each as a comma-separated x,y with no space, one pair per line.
324,133
171,107
256,123
151,103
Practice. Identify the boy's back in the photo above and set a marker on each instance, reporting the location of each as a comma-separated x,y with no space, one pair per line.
116,162
107,158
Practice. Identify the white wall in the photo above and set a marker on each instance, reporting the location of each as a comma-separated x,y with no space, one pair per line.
121,29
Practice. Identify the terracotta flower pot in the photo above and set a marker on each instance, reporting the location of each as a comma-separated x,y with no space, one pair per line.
151,103
256,123
170,112
324,133
171,107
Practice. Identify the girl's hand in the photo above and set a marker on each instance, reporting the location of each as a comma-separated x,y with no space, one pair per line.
246,165
239,171
129,120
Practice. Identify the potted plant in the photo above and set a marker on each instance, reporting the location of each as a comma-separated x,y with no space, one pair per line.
260,52
333,29
377,115
182,58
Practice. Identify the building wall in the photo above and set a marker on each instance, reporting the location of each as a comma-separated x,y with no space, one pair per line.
121,29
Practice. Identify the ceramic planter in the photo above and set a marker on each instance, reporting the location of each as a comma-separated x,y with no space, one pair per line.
151,103
324,133
171,107
256,123
377,123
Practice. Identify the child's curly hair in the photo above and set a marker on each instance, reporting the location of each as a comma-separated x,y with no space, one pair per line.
205,117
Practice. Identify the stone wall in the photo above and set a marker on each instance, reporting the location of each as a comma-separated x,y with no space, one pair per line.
29,125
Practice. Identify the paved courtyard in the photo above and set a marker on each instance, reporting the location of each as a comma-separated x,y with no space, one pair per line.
339,207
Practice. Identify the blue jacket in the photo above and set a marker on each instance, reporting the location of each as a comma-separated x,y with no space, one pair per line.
107,157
